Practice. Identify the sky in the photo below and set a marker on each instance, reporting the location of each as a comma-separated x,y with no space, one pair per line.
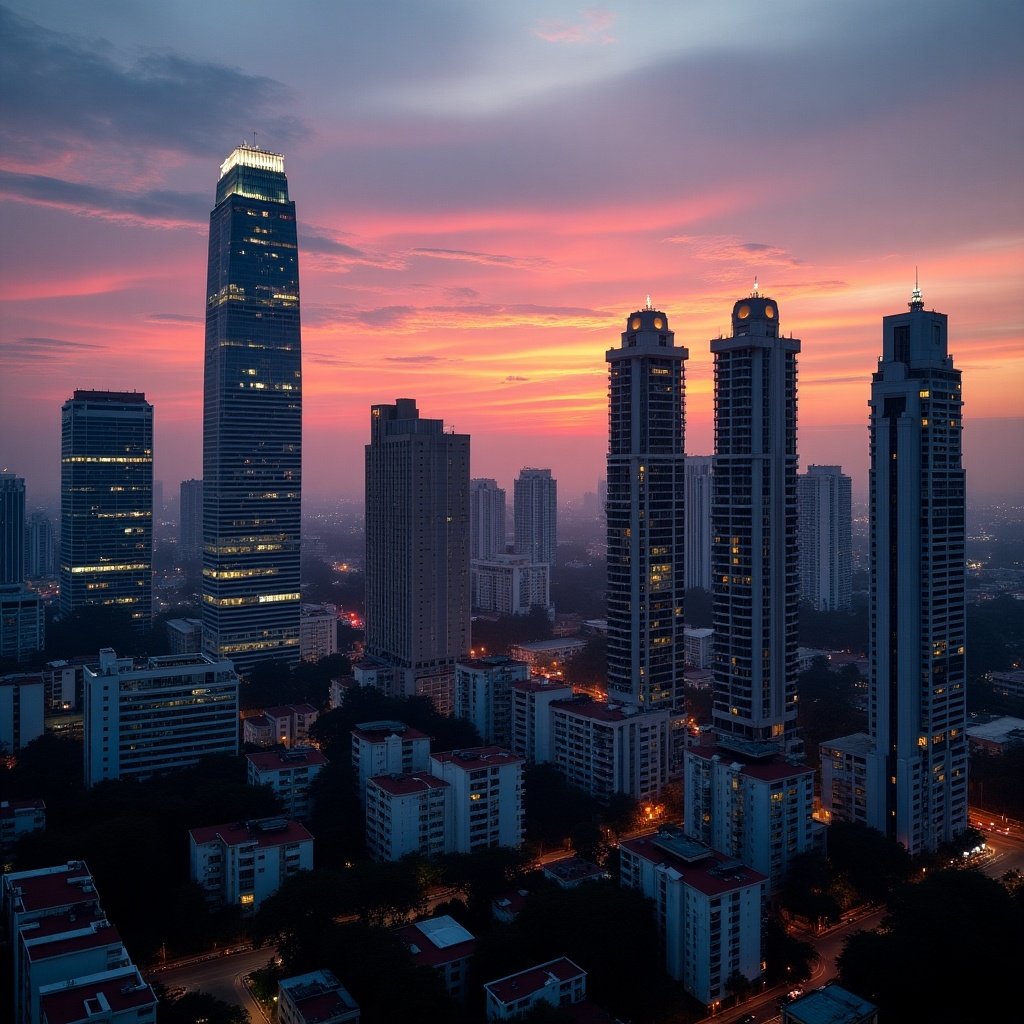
486,190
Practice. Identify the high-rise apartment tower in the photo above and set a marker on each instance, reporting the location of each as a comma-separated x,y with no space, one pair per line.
645,510
106,502
417,551
754,559
190,518
917,715
535,512
12,528
252,417
698,521
826,537
486,518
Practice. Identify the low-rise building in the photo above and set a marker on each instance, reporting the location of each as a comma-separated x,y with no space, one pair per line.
245,862
118,996
830,1004
572,872
442,944
287,725
408,814
531,717
318,631
697,646
510,584
847,768
543,654
1009,683
315,998
340,688
21,710
157,715
185,636
62,682
289,773
388,748
483,694
709,909
22,623
606,748
18,818
558,982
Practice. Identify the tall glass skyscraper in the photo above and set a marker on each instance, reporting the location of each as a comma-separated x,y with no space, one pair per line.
754,555
917,715
106,502
252,417
645,506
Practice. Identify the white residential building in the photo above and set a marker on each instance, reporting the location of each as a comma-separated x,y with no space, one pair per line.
243,863
757,811
847,769
290,773
18,818
486,518
388,748
826,537
607,748
487,796
442,944
535,500
318,631
163,714
21,710
542,654
531,717
408,814
558,982
483,694
315,998
287,725
709,910
22,622
697,645
117,996
511,584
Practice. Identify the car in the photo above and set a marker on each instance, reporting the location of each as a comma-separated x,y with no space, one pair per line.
747,1018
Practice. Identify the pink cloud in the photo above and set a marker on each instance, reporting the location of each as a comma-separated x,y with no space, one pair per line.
593,28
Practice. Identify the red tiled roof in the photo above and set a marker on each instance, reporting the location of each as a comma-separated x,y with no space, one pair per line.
597,710
379,735
701,874
287,710
533,980
322,1006
276,760
478,757
769,770
45,891
69,1006
430,955
236,833
88,938
535,685
402,785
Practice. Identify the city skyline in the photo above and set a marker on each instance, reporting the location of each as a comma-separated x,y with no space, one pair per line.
473,222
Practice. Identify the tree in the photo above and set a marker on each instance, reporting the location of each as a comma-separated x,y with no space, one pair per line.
200,1006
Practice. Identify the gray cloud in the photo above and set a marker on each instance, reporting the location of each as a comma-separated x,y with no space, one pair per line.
29,349
416,359
512,379
176,318
486,258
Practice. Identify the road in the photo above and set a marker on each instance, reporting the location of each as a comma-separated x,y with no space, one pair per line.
221,976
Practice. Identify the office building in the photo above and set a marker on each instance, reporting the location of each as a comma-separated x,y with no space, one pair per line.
242,863
289,773
22,622
190,518
40,548
510,584
699,470
645,509
916,773
156,715
21,710
483,694
607,748
12,529
825,534
486,518
754,519
106,503
417,551
252,417
708,909
315,998
535,515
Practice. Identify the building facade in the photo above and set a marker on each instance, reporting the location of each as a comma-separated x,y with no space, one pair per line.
754,558
917,709
486,518
318,631
290,774
557,983
417,550
483,694
388,748
12,529
532,736
22,622
285,724
315,998
535,515
106,502
699,470
645,512
22,698
824,497
157,715
408,813
510,584
190,518
252,417
41,547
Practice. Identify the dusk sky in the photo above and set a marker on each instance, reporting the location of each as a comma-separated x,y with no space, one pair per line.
486,190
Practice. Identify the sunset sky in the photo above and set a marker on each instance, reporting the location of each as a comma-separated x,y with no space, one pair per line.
486,190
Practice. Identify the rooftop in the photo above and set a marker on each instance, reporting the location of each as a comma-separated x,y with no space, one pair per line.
276,760
9,808
96,996
264,832
403,785
534,979
830,1005
319,996
477,757
285,710
66,885
70,932
574,869
601,711
536,684
377,732
766,769
439,940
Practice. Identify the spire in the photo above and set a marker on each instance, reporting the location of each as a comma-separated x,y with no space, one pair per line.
756,287
916,302
648,306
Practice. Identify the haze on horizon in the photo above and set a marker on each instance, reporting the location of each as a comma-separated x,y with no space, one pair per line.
485,192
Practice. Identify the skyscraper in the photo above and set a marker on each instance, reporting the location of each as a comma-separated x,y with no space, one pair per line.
39,548
106,502
825,537
12,528
698,521
252,417
486,518
417,551
645,509
917,715
190,518
536,515
754,559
